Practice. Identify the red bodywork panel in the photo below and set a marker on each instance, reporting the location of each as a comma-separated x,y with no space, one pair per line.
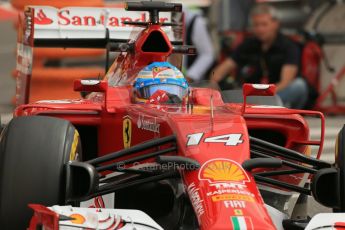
220,198
43,217
215,134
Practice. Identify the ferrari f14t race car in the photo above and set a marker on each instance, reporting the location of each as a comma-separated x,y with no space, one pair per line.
144,150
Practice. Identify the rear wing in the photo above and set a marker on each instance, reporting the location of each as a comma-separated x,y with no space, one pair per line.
86,26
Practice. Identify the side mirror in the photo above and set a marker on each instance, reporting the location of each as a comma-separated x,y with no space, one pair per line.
90,85
257,90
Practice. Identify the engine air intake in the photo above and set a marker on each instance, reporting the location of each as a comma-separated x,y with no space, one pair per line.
155,42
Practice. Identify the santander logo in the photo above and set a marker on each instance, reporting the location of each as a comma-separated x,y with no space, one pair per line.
67,17
42,19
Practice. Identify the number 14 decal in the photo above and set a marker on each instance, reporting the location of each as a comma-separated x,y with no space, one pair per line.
229,139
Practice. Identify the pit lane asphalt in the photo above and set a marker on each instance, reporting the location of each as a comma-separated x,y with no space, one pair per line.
7,91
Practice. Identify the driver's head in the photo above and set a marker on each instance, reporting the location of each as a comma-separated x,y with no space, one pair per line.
160,83
265,22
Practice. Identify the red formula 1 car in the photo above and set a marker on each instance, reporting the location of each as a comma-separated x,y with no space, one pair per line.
198,164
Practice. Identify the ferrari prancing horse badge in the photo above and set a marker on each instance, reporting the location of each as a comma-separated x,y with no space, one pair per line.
127,131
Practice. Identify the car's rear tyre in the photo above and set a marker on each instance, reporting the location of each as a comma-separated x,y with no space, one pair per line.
33,151
340,163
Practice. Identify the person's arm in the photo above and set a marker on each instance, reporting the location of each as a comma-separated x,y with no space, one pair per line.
288,74
230,63
202,42
289,70
222,69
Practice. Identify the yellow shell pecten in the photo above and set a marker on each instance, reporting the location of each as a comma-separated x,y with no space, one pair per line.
223,171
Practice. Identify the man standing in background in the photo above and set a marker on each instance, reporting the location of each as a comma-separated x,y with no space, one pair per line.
267,57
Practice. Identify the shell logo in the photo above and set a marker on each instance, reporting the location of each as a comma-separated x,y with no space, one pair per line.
77,218
222,170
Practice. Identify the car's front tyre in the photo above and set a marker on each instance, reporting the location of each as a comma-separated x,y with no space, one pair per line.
33,152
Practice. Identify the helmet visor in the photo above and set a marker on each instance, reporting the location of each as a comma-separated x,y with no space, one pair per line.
148,91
